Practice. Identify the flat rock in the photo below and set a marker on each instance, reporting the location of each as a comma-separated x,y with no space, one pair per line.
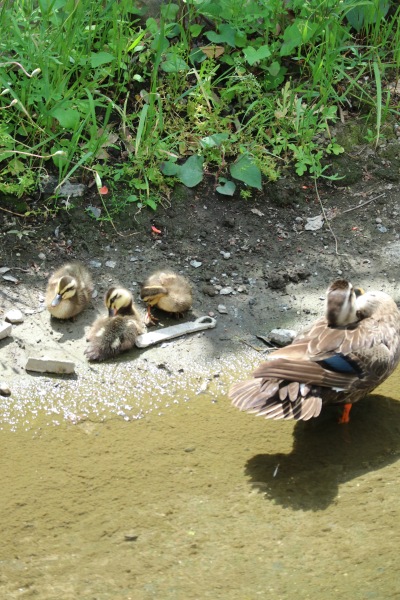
14,316
49,365
5,330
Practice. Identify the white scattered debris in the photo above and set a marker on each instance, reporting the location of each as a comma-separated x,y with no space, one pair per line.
226,291
95,264
111,263
5,330
257,212
196,264
225,255
314,223
14,316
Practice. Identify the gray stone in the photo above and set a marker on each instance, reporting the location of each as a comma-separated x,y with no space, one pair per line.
48,365
226,291
111,263
5,330
14,316
282,337
222,309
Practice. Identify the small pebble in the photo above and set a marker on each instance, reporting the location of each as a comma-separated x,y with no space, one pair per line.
378,220
196,264
282,337
222,309
111,263
95,264
42,256
4,389
225,255
14,316
226,291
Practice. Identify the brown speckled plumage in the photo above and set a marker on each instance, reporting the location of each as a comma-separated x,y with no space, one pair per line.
326,365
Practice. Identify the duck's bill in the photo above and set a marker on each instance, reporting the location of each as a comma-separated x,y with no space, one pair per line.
56,300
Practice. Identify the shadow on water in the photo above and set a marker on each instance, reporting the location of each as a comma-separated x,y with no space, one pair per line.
326,454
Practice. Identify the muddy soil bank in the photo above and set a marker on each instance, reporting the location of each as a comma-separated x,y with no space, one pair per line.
254,265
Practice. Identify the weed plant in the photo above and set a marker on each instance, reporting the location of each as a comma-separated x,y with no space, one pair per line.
238,88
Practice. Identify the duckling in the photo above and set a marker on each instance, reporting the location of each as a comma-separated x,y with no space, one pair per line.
341,304
118,331
69,291
168,291
326,365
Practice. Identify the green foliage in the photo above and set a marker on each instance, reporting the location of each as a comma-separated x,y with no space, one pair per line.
209,87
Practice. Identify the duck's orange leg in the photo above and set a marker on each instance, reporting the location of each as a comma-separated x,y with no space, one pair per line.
150,319
345,418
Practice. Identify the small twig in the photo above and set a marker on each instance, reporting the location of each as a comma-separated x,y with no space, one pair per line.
250,345
362,204
12,212
326,220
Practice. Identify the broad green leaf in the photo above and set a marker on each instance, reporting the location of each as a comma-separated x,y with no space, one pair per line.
173,64
169,168
97,59
226,35
191,172
227,188
67,117
274,69
169,11
292,38
252,56
245,170
212,141
195,30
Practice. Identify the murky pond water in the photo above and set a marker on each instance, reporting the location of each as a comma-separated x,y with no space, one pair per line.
161,490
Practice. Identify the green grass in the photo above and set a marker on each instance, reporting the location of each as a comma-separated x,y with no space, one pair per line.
93,92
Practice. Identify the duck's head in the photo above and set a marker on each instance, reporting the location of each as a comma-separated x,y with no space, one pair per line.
118,300
152,294
66,288
341,303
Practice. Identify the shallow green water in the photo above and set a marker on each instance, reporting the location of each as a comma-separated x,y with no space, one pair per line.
161,490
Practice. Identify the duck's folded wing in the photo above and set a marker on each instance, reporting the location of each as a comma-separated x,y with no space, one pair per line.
336,374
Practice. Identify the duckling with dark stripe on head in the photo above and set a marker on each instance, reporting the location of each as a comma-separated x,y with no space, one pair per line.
117,332
69,291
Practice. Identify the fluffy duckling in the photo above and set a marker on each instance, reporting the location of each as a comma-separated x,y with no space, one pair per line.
69,291
168,291
341,307
326,365
118,331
